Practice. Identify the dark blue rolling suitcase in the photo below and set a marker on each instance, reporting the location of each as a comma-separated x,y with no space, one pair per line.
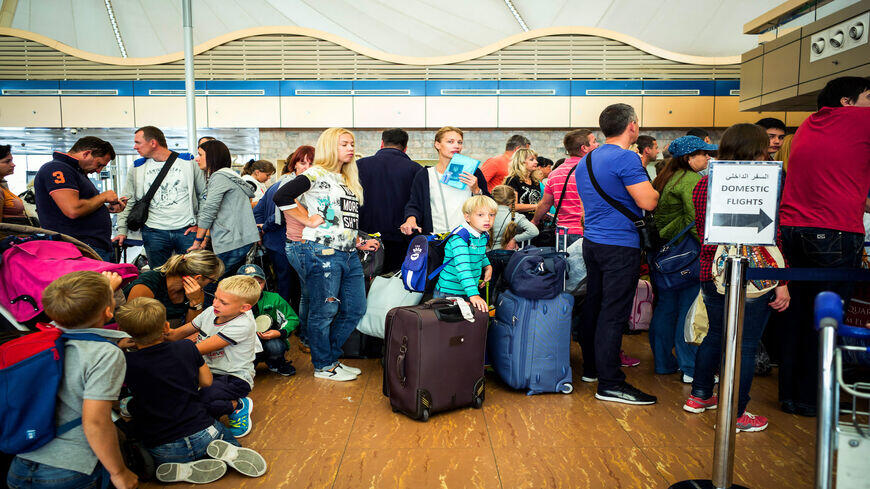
529,342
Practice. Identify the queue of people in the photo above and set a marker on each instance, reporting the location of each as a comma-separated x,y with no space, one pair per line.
202,219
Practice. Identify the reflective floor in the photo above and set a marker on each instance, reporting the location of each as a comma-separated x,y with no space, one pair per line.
320,434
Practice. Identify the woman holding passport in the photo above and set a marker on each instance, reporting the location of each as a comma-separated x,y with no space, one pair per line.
436,206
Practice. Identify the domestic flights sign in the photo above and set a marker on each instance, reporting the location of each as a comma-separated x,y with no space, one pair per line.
742,202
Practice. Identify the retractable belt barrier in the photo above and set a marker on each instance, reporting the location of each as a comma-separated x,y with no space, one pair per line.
810,274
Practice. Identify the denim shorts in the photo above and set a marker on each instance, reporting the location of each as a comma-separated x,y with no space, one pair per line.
191,447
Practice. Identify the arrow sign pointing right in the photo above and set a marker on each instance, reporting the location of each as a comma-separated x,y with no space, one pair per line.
760,220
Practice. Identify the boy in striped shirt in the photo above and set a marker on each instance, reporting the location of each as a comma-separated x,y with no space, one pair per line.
465,253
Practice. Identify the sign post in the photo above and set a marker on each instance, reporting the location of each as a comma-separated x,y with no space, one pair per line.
742,200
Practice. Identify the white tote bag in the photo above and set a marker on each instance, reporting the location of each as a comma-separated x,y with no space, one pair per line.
385,294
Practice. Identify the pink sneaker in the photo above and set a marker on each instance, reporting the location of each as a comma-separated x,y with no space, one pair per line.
697,405
627,361
750,422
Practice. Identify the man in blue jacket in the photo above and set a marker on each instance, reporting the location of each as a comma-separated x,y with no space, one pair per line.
386,178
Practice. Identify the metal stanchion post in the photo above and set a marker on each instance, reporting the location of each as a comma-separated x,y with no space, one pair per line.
729,382
828,308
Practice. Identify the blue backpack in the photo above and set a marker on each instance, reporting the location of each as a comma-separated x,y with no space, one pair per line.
425,259
31,370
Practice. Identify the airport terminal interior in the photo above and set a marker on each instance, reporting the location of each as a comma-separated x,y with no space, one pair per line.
520,87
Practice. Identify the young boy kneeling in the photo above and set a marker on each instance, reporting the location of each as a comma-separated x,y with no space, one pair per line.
168,415
282,320
466,258
227,338
93,371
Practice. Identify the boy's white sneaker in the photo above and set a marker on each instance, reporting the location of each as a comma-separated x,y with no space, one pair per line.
348,368
334,373
198,472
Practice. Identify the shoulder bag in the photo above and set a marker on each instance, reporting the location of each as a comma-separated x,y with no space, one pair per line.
547,236
139,213
677,264
645,226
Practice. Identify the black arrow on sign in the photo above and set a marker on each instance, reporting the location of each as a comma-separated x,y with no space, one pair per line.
760,220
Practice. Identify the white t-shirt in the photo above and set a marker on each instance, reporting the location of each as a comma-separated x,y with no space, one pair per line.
444,221
337,204
170,208
259,188
237,358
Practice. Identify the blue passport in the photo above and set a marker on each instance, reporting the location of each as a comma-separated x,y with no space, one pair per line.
459,164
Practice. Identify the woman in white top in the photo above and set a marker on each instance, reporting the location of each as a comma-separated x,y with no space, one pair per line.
435,207
256,173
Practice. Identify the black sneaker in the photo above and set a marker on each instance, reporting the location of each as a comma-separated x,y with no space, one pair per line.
625,394
286,369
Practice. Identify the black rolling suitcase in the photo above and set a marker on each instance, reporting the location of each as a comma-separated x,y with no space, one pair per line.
434,358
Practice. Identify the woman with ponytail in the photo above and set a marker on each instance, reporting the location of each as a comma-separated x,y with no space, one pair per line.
256,173
509,227
178,284
330,268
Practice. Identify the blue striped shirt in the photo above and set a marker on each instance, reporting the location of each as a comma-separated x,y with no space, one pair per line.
465,263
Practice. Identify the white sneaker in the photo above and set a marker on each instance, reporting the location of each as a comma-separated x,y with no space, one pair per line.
335,373
688,379
349,369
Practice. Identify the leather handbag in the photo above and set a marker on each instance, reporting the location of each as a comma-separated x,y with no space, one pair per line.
138,215
645,226
677,264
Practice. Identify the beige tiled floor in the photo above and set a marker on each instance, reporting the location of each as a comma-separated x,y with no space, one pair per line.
319,434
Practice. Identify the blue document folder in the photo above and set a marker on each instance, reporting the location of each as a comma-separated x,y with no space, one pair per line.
459,164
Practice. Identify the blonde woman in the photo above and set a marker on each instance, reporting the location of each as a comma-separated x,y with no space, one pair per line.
522,177
329,266
435,206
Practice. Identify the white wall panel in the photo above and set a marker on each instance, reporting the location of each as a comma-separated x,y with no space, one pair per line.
389,111
30,112
316,111
167,112
244,112
534,111
586,110
97,111
462,111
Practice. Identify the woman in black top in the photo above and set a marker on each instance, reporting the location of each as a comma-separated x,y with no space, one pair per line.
522,179
178,284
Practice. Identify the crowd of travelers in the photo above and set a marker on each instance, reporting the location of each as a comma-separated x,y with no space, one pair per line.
194,325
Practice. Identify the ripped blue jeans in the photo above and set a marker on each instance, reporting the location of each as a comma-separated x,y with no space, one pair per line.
336,299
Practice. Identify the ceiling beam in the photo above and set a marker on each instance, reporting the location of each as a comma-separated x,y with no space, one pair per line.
516,14
114,23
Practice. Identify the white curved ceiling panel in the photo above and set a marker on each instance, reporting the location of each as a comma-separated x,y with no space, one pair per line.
419,28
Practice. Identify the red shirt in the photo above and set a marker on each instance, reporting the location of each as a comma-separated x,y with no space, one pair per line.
829,171
495,170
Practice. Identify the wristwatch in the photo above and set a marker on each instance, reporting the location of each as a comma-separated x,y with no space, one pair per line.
197,307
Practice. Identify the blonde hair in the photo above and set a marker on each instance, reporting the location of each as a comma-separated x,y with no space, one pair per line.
518,165
439,135
142,318
326,156
784,151
479,202
244,287
197,262
76,299
506,196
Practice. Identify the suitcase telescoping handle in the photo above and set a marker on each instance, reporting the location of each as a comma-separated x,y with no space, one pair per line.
400,362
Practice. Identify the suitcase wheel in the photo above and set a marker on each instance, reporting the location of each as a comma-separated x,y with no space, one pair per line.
567,388
425,415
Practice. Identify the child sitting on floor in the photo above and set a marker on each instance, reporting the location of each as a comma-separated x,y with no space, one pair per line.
168,415
465,253
280,320
227,338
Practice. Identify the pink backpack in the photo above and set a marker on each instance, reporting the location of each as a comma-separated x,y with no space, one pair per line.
642,308
27,269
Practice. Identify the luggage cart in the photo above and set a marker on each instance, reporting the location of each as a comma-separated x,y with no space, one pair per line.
844,430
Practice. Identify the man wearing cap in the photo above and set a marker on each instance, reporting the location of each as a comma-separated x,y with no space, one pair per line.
275,321
690,155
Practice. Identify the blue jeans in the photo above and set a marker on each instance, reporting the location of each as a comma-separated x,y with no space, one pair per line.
666,331
24,474
160,244
233,259
337,299
105,255
292,249
287,284
191,447
755,316
273,352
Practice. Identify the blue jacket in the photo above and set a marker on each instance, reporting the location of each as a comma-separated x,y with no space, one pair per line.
274,233
386,179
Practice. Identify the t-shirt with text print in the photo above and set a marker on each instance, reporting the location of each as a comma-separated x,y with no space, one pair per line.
336,204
